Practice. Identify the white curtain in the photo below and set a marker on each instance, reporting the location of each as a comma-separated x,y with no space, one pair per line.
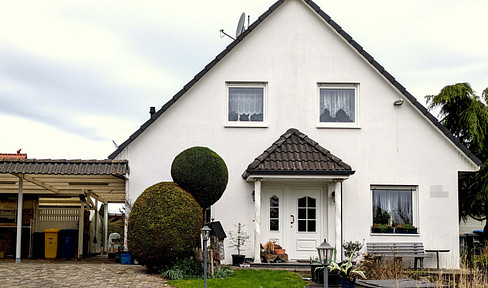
398,203
334,100
245,101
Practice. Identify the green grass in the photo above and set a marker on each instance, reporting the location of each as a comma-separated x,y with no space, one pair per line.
248,278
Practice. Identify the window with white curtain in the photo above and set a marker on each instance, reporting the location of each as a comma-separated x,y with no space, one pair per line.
338,105
393,205
246,103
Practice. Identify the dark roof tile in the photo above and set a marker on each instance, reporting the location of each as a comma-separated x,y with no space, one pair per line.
294,152
356,46
64,167
324,15
388,76
366,55
187,87
334,25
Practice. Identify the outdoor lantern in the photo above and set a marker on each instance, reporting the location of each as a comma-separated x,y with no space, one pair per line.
325,252
205,231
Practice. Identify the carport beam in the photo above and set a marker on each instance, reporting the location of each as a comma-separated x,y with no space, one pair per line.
20,202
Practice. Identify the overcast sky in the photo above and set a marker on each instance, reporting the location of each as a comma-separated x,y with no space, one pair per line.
75,75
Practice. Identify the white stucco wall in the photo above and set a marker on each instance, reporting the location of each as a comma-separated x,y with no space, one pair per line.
293,50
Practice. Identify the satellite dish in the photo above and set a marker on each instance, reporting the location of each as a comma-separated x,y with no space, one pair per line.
240,25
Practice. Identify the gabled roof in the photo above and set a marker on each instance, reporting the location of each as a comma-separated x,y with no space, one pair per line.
346,37
296,154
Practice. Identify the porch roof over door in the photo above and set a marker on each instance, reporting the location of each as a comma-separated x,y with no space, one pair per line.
294,154
103,179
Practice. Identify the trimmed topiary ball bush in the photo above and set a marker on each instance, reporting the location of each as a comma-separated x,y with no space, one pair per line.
164,224
202,173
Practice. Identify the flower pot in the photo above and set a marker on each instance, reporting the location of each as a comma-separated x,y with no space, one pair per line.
280,251
346,283
237,259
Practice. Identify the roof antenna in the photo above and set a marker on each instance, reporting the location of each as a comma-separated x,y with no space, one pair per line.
115,144
240,27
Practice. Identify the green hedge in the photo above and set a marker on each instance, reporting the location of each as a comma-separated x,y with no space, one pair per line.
202,173
164,224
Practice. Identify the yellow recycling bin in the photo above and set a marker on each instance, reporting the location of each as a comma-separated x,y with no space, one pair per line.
51,243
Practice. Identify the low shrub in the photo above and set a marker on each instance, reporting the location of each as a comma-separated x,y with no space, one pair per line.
164,225
184,269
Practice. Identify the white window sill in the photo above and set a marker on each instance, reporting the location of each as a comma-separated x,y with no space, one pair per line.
338,126
245,125
395,234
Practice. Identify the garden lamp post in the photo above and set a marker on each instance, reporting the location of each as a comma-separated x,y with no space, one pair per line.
325,254
205,231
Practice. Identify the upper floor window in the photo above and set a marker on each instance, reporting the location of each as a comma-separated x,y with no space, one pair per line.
338,105
246,104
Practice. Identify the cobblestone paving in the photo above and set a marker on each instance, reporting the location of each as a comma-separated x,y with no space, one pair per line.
72,273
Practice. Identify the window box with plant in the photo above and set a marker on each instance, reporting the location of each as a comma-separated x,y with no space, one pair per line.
405,229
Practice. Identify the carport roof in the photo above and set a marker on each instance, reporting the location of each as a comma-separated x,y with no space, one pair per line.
104,179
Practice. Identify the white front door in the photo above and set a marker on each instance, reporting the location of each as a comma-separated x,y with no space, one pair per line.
305,227
292,216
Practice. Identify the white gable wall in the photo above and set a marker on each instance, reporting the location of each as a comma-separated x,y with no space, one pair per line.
293,50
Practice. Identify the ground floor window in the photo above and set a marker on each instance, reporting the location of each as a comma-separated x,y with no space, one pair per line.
393,208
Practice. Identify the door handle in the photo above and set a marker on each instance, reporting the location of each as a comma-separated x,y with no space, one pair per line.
292,219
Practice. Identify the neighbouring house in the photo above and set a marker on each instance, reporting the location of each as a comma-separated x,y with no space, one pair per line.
319,139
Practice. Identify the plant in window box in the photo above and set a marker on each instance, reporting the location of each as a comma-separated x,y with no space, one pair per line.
382,228
405,229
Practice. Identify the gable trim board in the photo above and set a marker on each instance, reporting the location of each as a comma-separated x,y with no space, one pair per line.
346,37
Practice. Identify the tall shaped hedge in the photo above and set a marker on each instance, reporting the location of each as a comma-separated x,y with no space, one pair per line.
164,223
202,173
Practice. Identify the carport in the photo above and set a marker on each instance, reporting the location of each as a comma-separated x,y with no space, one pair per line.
59,182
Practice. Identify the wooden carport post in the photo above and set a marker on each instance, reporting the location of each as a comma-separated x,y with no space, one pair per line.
81,226
105,226
20,202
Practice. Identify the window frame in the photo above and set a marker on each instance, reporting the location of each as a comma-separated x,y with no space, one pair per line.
334,85
415,216
254,84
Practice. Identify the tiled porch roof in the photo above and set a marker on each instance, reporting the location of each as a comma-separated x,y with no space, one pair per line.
294,153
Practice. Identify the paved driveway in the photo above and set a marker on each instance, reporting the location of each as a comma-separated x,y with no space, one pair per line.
92,272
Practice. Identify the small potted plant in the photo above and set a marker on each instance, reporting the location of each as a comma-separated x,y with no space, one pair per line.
237,240
347,271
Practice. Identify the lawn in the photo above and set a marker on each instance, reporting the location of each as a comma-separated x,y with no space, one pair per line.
248,278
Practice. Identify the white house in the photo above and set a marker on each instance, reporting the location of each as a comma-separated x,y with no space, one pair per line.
286,105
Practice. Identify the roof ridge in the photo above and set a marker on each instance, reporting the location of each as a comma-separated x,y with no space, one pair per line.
381,70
